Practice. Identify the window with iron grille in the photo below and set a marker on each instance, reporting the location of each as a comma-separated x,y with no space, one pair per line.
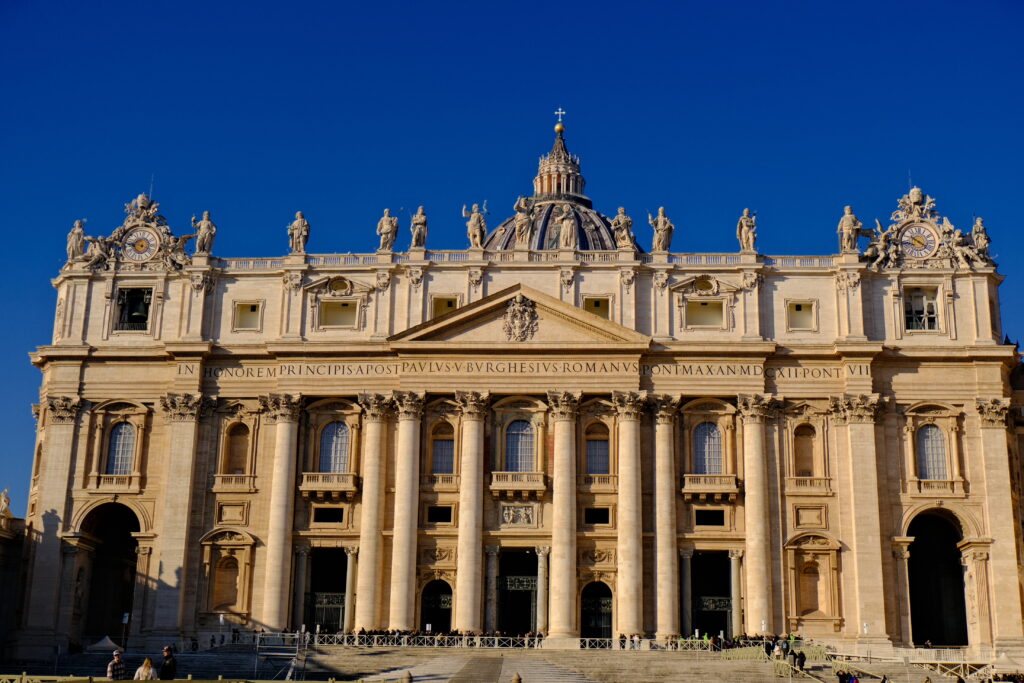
920,310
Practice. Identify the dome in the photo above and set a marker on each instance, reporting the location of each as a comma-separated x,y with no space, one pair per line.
593,229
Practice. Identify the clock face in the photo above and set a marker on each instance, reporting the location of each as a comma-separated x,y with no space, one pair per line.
919,241
140,245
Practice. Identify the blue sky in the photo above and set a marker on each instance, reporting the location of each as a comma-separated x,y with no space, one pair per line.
254,110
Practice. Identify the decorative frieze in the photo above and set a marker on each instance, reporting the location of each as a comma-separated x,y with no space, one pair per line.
518,515
280,407
993,412
847,280
629,404
63,409
564,404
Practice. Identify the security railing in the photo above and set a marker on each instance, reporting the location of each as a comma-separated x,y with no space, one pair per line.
424,640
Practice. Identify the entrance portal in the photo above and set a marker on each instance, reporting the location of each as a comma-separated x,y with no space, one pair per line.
436,607
711,591
937,610
517,592
112,583
325,602
596,611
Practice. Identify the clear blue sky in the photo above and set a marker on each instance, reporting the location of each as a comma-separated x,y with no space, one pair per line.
253,110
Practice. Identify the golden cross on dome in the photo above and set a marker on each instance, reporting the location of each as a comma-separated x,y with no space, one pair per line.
559,113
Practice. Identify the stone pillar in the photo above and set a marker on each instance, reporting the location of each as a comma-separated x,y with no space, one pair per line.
666,485
299,596
755,409
350,587
61,414
735,592
687,555
281,410
563,525
1001,515
901,553
182,412
975,559
630,560
375,411
858,413
542,588
471,486
407,489
491,605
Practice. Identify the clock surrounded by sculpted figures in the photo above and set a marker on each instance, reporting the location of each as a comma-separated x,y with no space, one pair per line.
919,241
140,245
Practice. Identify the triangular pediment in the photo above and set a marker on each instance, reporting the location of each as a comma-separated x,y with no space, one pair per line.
519,316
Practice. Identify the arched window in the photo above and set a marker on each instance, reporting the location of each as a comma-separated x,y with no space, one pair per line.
121,449
334,448
803,451
707,449
597,449
931,453
442,460
236,449
225,584
519,447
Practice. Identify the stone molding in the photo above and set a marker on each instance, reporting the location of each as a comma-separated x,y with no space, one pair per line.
280,407
629,404
564,404
63,410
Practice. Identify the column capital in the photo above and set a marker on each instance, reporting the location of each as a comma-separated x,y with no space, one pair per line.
686,553
629,404
665,407
375,406
542,550
473,404
860,409
63,410
993,412
756,407
409,404
351,550
185,407
901,547
736,554
280,407
564,404
492,551
302,550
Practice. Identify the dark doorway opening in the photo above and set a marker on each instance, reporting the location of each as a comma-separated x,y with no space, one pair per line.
711,590
325,601
938,612
596,611
517,592
112,572
436,607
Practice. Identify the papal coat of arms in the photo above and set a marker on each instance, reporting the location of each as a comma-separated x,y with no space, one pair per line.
520,319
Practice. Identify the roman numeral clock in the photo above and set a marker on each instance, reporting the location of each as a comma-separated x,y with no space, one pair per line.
140,245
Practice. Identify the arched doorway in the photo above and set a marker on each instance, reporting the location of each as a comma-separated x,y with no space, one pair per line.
596,611
109,529
937,609
436,607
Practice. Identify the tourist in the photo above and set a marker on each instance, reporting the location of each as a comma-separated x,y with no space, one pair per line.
117,670
169,666
146,672
801,660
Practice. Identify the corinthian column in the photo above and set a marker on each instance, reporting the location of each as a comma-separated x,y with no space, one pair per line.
350,587
858,414
375,412
666,560
281,410
471,514
403,546
563,526
754,410
629,522
542,588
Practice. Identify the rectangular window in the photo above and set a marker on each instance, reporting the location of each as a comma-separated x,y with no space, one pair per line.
443,304
328,515
439,514
133,309
247,316
800,315
596,516
599,306
597,456
443,457
704,313
338,313
709,517
920,311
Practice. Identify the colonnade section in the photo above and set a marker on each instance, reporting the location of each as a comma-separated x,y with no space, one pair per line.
403,549
666,559
562,582
629,523
754,409
469,551
376,408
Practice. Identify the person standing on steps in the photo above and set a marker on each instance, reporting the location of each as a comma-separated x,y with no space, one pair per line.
169,666
117,670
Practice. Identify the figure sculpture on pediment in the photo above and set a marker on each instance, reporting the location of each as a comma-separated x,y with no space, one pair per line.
962,253
981,241
849,230
205,232
174,251
387,228
746,231
5,503
523,222
419,229
476,226
298,233
622,228
884,248
76,242
662,230
98,252
567,228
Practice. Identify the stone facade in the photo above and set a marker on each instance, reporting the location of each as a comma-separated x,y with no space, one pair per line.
619,441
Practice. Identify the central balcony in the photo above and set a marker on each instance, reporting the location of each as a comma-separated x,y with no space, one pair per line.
328,485
440,482
710,488
525,484
598,483
234,483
